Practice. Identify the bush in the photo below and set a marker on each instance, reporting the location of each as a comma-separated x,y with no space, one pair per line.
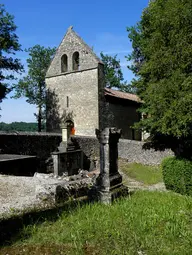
177,175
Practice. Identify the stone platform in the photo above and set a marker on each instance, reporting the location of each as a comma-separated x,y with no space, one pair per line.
19,165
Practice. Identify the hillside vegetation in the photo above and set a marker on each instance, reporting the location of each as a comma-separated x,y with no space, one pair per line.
19,126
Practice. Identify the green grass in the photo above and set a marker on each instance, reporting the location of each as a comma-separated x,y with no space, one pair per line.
146,174
147,223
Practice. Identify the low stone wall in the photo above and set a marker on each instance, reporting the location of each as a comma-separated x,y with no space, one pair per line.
42,144
131,150
22,165
90,147
30,143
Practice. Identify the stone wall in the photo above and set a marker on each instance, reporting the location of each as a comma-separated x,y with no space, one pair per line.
71,43
30,143
74,93
123,114
131,150
101,96
90,147
81,90
42,144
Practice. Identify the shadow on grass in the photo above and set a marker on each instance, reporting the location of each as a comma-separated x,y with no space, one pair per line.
11,228
49,249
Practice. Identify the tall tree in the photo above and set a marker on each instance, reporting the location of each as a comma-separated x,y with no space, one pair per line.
113,73
32,86
161,61
9,45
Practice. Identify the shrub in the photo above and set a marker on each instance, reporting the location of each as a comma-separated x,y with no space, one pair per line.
177,174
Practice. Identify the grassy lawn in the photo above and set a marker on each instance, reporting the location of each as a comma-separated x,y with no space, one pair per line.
146,174
147,223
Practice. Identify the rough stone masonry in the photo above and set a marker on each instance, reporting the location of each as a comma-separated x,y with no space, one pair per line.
76,93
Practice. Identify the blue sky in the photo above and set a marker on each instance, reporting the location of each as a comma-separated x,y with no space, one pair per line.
102,25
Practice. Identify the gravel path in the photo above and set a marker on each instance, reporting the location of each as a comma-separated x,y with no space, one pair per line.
18,193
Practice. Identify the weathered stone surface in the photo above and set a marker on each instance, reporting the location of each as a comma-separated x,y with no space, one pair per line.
68,162
18,164
134,151
109,182
131,150
71,43
76,93
123,115
80,95
30,143
63,191
43,176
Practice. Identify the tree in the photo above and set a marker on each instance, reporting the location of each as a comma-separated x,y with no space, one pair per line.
161,61
18,126
9,45
32,85
113,73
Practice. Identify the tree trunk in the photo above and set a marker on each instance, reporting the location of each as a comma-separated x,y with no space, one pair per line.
39,120
40,108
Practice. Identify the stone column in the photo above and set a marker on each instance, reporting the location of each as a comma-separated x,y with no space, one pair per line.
56,156
56,163
63,145
109,182
103,137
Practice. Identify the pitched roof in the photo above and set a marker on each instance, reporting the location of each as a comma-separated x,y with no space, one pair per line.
70,30
122,95
70,35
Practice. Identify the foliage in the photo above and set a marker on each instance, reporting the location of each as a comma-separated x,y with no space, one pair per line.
146,223
113,73
32,85
177,174
161,61
142,173
18,126
9,45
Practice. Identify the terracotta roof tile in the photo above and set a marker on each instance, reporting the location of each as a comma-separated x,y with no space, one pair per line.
123,95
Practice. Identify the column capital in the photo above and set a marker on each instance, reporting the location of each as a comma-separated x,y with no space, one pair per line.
107,134
115,134
103,135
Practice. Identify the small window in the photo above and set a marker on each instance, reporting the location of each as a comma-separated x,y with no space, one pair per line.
67,101
64,63
76,61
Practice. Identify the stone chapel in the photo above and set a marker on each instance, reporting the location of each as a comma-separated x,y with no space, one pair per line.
76,93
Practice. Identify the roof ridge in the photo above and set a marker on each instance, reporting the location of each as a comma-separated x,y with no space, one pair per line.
122,95
70,29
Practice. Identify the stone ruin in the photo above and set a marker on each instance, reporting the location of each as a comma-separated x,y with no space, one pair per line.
69,158
70,182
109,182
104,185
18,165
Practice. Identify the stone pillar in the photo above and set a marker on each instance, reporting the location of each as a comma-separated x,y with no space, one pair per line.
64,133
109,182
56,156
63,145
56,163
